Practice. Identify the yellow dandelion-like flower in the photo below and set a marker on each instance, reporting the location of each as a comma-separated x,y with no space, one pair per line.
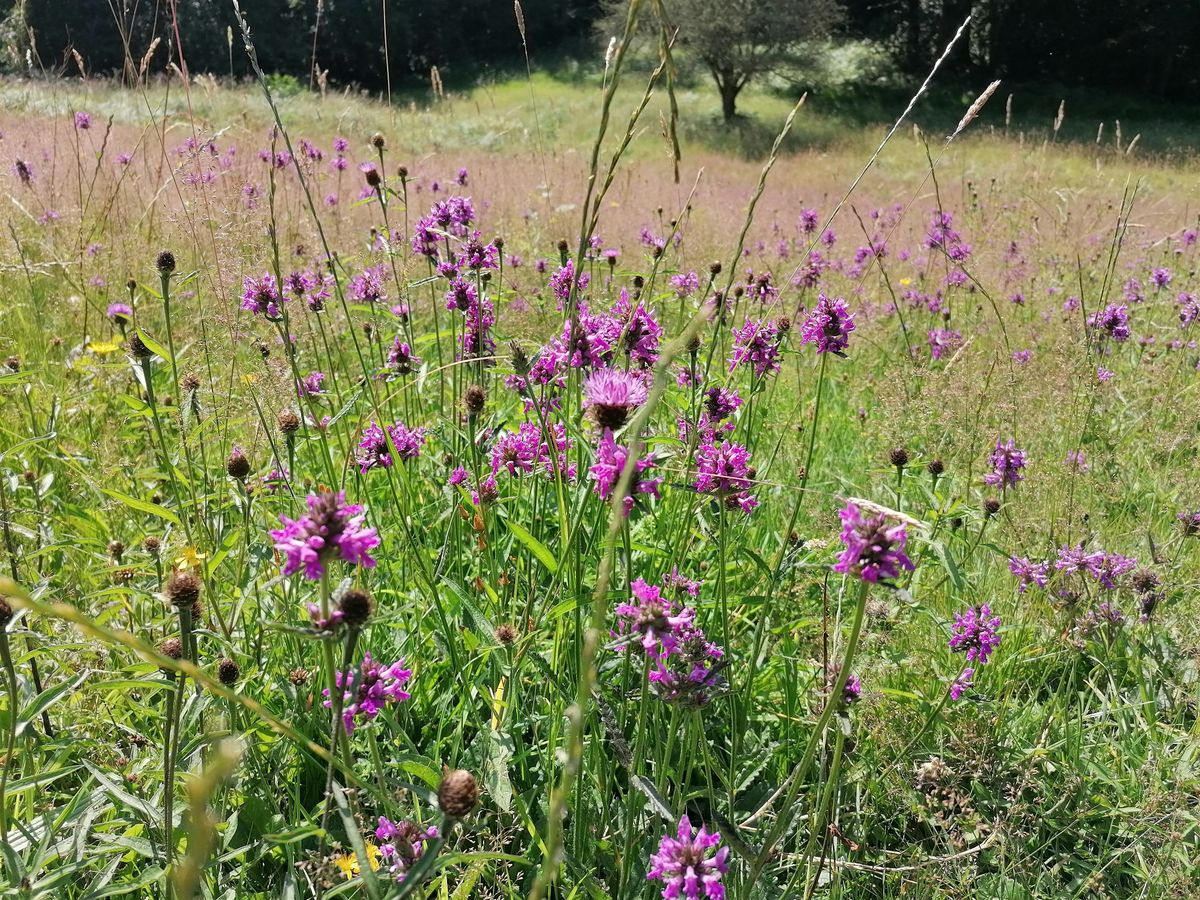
103,348
190,558
347,864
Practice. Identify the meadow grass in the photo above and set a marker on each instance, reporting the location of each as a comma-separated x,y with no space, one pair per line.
490,408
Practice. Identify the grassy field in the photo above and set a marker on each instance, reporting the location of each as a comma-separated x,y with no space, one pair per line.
647,530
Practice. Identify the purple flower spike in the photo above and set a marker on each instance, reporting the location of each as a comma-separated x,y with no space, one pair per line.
828,326
724,470
261,296
369,690
333,529
756,344
1007,462
975,634
687,865
874,546
610,463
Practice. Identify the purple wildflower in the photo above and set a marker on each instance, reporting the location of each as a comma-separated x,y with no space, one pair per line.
612,394
964,680
685,284
373,450
333,529
975,634
83,120
401,360
310,384
560,282
721,403
261,296
1007,462
367,286
943,341
652,621
120,313
1028,573
526,450
828,326
607,469
687,865
756,344
874,546
724,470
401,844
640,331
369,690
1113,320
1106,568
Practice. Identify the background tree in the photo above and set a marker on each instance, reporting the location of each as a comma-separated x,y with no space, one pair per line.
739,40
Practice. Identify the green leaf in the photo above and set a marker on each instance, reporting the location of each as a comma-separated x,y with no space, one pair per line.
144,506
536,547
155,347
951,567
495,776
46,699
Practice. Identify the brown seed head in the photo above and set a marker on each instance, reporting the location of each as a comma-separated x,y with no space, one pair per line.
289,422
165,262
182,588
237,465
356,607
228,672
137,347
458,794
474,399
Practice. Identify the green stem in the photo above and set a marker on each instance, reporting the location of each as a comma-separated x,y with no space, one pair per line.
10,674
801,770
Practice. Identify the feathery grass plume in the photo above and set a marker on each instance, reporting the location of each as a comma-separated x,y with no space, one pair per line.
975,109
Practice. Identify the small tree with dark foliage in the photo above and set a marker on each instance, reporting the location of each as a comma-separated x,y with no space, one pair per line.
739,40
